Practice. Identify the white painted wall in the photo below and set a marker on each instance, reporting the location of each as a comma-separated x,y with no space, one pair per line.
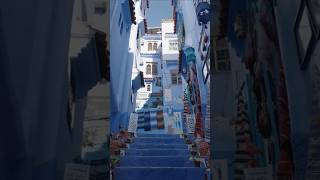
168,36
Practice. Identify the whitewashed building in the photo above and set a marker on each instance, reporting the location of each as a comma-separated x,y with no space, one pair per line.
172,81
149,63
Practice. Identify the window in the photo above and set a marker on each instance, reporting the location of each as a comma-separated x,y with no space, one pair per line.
173,45
149,46
154,69
100,8
223,60
121,28
119,19
175,78
158,81
314,8
148,87
155,46
306,33
138,33
148,69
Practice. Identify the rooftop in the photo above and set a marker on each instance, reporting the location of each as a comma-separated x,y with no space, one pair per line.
154,30
167,20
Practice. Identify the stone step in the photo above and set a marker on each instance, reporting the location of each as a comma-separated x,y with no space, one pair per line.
156,161
157,145
158,140
159,173
157,152
158,135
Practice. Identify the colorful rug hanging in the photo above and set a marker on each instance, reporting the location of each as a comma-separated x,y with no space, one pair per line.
285,164
184,115
314,148
198,129
190,123
207,119
245,150
133,123
141,120
147,121
160,120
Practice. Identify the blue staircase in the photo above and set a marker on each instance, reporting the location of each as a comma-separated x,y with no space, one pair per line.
158,157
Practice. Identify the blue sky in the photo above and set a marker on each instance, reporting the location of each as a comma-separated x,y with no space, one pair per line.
158,9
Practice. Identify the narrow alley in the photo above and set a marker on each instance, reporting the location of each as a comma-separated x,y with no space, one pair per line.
163,121
160,89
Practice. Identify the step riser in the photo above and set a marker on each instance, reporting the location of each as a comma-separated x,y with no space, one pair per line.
159,135
159,173
138,161
158,146
159,141
157,152
158,157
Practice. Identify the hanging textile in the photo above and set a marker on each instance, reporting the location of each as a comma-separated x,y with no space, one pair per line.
314,148
133,123
140,120
160,120
244,149
207,119
186,112
199,128
285,165
137,82
147,121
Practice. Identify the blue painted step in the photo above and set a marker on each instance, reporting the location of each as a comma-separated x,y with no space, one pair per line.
155,161
159,173
157,145
158,140
158,135
157,152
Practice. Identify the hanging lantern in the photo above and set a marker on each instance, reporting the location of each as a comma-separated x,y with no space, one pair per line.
205,39
203,12
204,48
240,27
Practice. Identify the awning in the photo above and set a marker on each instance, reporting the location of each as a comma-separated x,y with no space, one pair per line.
137,82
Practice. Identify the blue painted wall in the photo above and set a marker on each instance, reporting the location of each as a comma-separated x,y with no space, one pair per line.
121,62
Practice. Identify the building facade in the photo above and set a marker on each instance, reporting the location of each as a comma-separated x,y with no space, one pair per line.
191,21
172,81
121,60
276,49
149,63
